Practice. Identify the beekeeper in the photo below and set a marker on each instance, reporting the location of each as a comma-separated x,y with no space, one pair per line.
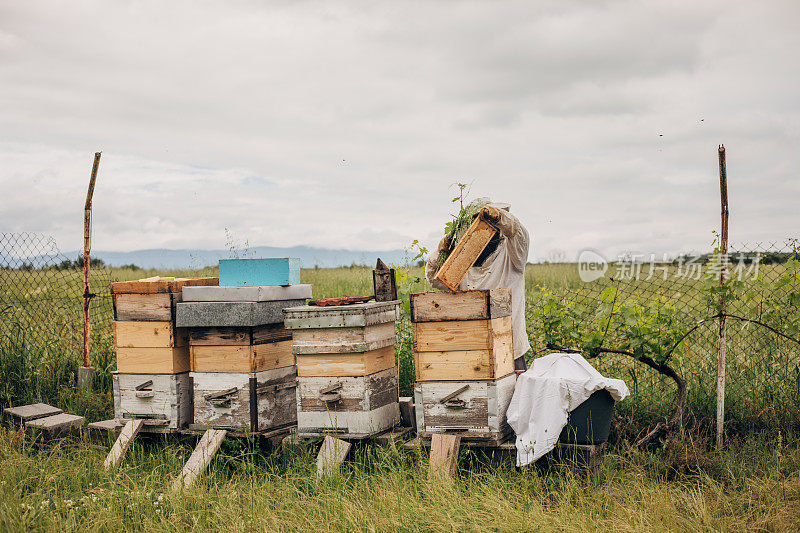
500,265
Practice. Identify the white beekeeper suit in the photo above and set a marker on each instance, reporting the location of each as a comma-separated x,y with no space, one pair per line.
503,268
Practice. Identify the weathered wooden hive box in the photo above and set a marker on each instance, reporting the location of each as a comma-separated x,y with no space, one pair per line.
463,335
242,364
472,409
162,400
347,377
464,362
152,380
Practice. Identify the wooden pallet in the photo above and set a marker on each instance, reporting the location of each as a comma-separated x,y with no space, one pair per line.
336,446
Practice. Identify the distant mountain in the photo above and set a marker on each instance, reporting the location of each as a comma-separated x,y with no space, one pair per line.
184,259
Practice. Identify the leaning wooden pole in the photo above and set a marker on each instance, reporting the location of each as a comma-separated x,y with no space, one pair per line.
723,277
85,377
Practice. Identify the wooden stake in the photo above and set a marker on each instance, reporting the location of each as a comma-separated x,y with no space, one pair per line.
122,443
87,244
723,277
444,455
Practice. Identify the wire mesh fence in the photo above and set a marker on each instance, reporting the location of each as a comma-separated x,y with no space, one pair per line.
41,305
642,305
668,311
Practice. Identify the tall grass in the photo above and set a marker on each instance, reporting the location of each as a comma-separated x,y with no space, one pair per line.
752,487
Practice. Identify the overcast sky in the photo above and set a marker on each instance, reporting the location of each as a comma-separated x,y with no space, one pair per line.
343,125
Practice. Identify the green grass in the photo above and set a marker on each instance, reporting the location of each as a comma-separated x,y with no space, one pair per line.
754,485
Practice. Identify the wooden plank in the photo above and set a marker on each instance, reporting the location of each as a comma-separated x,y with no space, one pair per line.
153,360
343,340
346,364
456,365
477,304
148,334
331,455
463,350
272,355
270,333
24,413
444,455
220,336
465,253
242,358
200,459
452,336
221,358
502,346
157,284
154,307
58,425
122,443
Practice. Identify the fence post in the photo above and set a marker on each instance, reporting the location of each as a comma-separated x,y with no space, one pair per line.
86,372
723,277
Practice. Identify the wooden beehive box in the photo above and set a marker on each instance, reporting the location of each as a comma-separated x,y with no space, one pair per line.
341,316
477,304
253,401
355,406
472,409
350,351
162,400
151,299
253,358
462,336
153,360
465,253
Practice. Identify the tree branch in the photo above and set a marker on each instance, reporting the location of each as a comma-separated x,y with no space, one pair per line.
661,428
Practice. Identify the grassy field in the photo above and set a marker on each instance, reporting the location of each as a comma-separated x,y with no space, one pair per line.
751,485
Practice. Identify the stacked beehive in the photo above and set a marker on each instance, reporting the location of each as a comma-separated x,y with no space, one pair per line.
464,362
152,378
242,366
347,378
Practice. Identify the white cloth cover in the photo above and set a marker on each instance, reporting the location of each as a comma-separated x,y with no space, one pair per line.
544,395
505,268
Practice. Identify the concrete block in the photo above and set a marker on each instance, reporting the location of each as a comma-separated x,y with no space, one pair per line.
255,272
263,293
231,314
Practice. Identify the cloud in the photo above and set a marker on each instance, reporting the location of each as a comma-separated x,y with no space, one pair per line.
343,125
